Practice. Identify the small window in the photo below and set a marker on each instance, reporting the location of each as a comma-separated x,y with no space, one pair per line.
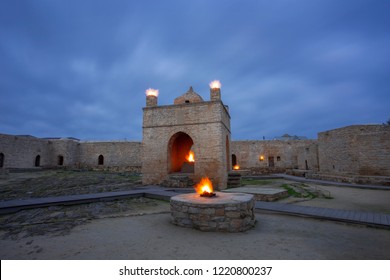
187,101
101,160
60,160
278,158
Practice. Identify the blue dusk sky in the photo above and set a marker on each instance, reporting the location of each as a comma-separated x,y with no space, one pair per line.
80,68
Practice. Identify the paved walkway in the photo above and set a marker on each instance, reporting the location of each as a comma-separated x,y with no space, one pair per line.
155,192
358,217
321,182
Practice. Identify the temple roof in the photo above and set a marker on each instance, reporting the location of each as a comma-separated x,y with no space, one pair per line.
189,97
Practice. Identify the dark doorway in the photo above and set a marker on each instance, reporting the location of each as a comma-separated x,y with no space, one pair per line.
1,160
271,162
37,160
234,160
306,165
60,160
100,160
179,147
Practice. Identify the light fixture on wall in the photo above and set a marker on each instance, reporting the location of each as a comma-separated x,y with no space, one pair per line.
261,158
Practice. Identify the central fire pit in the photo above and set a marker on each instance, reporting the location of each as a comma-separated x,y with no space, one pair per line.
230,212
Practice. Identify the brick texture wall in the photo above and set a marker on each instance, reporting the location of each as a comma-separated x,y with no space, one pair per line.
356,149
121,155
292,154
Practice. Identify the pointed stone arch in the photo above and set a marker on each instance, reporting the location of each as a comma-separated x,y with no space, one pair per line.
100,160
234,160
37,162
179,146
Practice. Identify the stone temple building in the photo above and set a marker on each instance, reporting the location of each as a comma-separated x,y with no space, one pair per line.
191,124
192,138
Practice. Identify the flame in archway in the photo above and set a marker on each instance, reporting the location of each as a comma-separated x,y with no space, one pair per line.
190,157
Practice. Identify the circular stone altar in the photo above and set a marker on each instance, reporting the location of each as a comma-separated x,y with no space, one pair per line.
230,212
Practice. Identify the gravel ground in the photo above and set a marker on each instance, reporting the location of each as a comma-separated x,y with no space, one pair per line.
64,182
154,237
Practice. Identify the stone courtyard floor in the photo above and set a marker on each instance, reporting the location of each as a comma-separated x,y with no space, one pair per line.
140,228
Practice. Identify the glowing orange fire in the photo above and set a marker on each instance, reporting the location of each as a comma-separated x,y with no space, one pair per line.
236,167
152,92
190,157
205,186
215,84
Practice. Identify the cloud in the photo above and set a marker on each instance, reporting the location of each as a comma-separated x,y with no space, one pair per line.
81,68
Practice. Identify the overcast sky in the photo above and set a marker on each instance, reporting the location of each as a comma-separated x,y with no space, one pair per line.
81,68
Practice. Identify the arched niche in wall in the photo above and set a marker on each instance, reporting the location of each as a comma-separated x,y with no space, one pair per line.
234,160
37,162
100,160
179,146
1,160
60,160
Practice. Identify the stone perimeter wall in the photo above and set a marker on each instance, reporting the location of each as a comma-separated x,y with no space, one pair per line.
358,150
21,152
277,155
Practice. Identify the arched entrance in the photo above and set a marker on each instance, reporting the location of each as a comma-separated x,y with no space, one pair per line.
101,160
1,160
37,160
179,147
60,160
234,160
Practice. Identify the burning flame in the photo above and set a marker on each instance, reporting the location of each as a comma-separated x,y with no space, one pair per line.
204,186
190,157
236,167
151,92
215,84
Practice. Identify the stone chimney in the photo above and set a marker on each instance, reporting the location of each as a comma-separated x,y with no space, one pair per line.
151,97
215,90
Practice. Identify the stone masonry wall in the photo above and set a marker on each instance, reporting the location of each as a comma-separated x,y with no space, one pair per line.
67,148
121,155
21,151
356,149
292,154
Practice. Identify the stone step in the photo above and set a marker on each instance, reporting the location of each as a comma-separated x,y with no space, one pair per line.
178,181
